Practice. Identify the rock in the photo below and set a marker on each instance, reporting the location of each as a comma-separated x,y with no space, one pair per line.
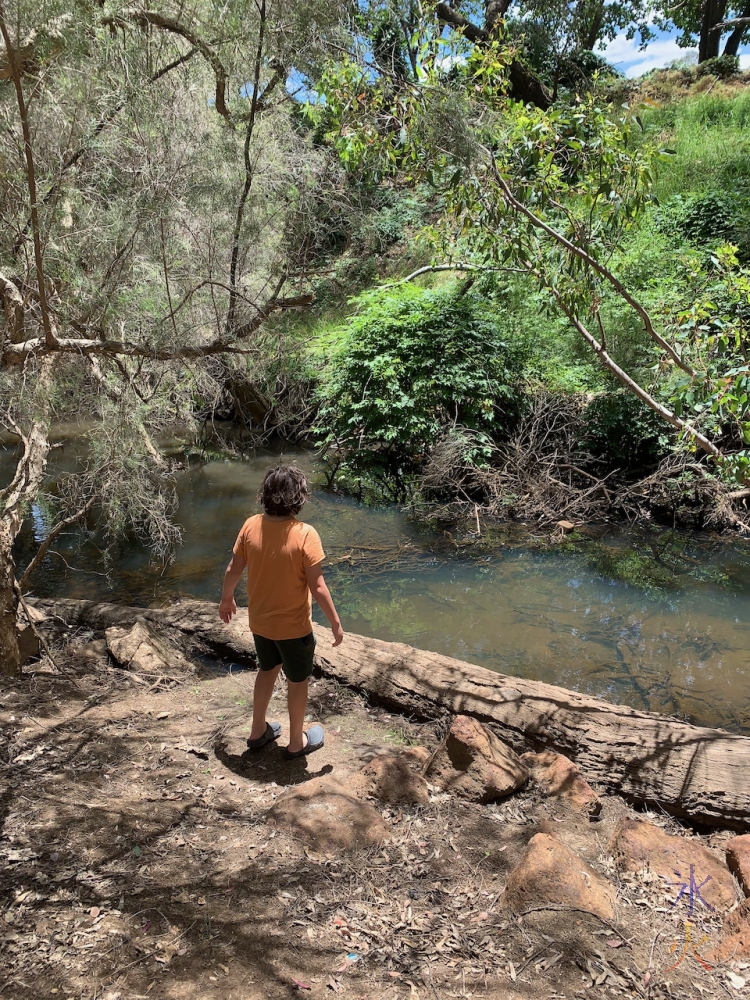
141,649
638,844
738,860
125,645
474,764
417,756
394,777
558,776
29,614
549,873
565,526
328,816
735,941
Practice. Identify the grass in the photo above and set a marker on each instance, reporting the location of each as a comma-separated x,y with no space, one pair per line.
710,136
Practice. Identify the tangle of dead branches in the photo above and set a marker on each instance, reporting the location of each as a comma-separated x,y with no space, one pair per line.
543,474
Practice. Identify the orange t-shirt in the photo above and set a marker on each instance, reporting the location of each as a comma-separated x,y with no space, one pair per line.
277,555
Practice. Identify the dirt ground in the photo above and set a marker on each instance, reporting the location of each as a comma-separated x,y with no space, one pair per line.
137,862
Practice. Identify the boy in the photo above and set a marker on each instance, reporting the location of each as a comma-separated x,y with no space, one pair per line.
283,558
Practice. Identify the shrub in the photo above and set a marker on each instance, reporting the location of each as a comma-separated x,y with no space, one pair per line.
721,66
410,364
623,432
709,218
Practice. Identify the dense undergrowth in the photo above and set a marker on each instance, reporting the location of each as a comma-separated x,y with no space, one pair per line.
422,391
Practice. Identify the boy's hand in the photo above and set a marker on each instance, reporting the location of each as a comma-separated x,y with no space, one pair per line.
228,608
338,634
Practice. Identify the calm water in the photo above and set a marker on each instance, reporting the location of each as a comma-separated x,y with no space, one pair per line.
552,615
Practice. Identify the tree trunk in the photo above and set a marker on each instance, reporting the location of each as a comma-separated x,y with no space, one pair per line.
733,42
712,13
10,660
689,771
594,27
526,86
21,491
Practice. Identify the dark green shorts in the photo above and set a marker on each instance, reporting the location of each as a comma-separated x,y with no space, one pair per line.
295,655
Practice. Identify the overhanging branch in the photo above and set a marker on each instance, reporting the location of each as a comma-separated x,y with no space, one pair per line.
143,17
593,263
17,353
736,22
700,439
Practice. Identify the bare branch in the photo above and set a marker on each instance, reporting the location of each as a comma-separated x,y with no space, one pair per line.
734,23
56,530
16,353
161,21
13,308
428,268
240,214
456,20
700,439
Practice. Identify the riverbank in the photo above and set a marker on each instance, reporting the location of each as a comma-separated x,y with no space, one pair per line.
147,854
646,617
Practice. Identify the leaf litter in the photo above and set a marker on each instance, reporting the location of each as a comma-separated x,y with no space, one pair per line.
129,861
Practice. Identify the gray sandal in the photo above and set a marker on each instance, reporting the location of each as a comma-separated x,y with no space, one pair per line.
315,740
273,731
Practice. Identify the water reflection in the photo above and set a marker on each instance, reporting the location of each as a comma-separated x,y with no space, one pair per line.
556,616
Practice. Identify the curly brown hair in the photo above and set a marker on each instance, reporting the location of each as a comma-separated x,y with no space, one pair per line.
284,491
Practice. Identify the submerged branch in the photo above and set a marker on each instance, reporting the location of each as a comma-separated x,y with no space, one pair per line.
56,530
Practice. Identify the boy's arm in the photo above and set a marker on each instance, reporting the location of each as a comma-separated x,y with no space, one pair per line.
232,575
322,596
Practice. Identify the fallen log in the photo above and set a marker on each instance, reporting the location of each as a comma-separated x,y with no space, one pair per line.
692,772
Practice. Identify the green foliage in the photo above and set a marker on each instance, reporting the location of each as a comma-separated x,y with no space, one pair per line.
713,333
721,66
709,219
623,432
409,364
709,137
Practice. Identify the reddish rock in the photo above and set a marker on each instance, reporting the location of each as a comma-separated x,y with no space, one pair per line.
395,778
738,860
329,816
474,764
637,844
735,941
416,756
558,776
549,873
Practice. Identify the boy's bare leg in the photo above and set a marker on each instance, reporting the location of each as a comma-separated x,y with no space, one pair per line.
296,699
264,682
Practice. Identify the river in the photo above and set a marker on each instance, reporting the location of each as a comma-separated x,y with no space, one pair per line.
600,616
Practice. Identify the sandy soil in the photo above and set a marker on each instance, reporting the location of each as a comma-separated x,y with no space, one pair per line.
137,862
